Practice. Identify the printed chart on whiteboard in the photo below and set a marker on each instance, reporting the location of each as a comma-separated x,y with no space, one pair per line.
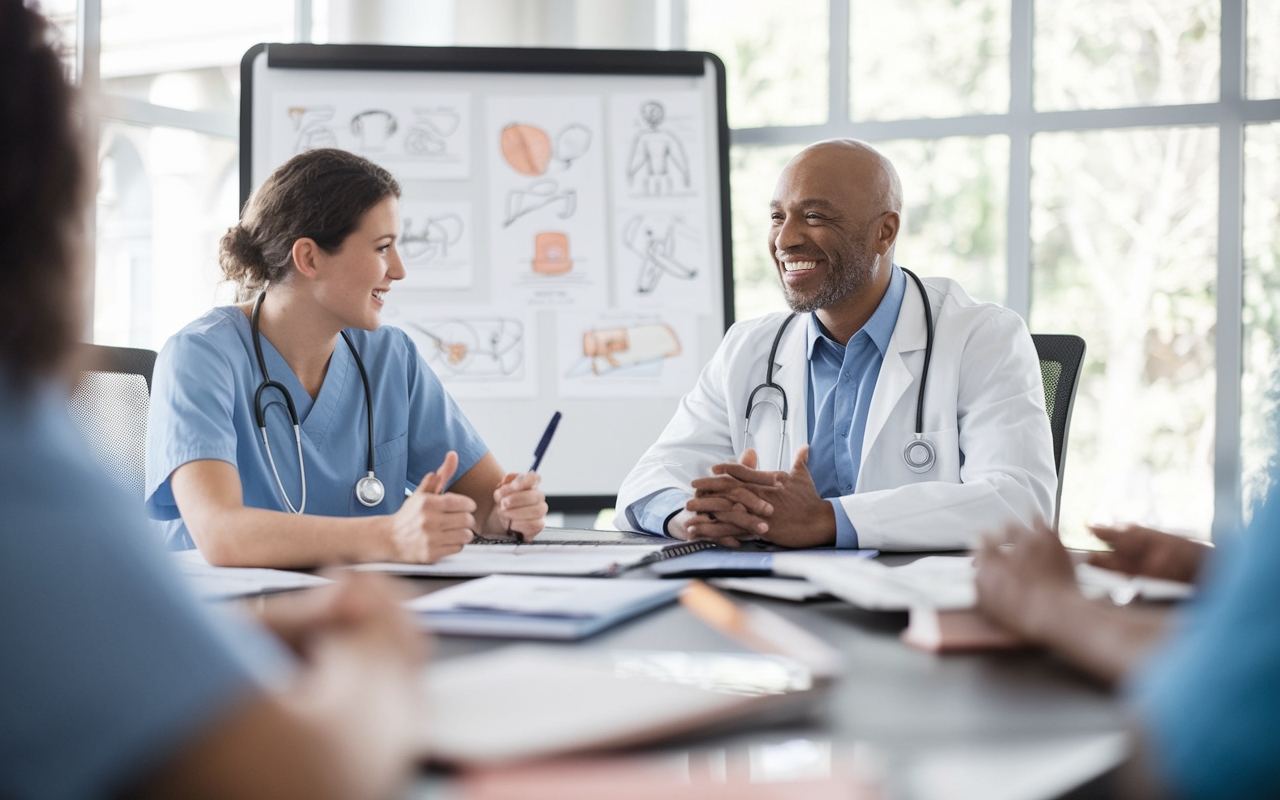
474,351
413,135
547,199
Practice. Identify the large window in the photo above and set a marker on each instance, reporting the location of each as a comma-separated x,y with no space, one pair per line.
1105,169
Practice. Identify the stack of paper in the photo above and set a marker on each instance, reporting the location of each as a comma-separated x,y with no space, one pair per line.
946,582
723,562
222,583
529,607
525,559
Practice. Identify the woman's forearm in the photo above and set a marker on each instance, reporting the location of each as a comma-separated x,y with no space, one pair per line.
254,537
230,534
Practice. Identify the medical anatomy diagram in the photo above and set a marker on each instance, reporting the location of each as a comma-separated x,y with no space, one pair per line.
473,349
658,165
428,239
549,244
531,151
642,346
623,354
312,128
656,245
415,135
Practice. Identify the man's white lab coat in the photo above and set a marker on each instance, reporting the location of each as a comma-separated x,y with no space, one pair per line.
983,410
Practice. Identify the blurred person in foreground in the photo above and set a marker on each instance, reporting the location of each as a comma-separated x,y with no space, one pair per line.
116,681
1204,680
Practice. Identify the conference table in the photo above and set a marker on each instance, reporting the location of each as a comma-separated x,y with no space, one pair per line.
1001,724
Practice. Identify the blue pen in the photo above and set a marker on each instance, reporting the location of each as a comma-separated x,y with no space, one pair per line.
538,453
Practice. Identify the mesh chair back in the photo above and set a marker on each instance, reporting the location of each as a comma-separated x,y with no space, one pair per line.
1061,361
109,405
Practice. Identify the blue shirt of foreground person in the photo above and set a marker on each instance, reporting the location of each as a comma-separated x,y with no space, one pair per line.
1210,700
109,665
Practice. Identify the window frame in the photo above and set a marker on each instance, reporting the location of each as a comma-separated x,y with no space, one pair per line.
1230,114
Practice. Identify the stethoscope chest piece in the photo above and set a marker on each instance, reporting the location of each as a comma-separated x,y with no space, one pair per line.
919,454
369,491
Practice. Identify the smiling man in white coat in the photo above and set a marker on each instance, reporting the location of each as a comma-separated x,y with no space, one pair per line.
812,429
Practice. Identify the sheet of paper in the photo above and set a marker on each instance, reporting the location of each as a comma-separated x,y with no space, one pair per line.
415,135
1121,589
221,583
658,146
661,249
475,351
582,598
528,559
624,354
587,698
435,245
794,589
942,582
547,201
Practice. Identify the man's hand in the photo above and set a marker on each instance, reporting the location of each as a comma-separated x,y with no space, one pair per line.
1025,588
519,506
432,524
800,518
725,509
1145,551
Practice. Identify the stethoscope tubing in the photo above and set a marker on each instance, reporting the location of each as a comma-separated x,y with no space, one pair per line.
369,490
918,444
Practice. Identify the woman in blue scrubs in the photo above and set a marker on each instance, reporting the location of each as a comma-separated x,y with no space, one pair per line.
314,257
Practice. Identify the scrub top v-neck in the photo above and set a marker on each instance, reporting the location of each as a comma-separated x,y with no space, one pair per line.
202,408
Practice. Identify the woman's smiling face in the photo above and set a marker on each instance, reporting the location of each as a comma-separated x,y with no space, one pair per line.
353,281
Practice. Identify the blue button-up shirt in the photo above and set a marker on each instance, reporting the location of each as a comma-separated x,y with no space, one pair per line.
842,380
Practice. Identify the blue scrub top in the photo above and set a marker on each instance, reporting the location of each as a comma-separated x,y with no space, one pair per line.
1209,699
202,408
109,666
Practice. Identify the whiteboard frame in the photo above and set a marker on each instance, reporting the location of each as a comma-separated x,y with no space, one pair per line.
550,61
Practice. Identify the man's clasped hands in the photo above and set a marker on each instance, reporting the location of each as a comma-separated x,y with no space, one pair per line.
739,501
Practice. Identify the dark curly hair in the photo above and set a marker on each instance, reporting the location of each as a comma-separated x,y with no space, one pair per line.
43,193
320,195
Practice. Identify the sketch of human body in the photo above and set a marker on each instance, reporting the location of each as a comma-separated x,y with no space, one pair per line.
657,253
657,156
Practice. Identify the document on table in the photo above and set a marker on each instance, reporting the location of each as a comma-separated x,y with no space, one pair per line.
556,700
946,582
223,583
723,562
539,607
526,559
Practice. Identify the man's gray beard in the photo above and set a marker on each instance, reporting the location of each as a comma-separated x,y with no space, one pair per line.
844,277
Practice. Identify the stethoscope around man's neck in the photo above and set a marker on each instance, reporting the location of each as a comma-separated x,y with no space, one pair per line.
919,453
369,490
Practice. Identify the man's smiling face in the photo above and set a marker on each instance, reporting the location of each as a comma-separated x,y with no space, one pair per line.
822,224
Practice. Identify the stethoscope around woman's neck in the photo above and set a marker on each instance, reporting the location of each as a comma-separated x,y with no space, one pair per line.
919,453
369,490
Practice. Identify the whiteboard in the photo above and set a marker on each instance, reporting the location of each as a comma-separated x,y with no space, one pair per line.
565,228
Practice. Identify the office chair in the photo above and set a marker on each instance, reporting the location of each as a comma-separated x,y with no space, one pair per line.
1061,362
109,405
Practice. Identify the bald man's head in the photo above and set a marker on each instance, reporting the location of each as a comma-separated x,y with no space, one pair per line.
864,165
836,212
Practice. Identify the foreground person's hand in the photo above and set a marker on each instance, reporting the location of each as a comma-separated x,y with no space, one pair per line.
1145,551
1025,587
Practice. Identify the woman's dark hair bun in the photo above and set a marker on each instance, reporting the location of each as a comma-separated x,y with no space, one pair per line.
242,261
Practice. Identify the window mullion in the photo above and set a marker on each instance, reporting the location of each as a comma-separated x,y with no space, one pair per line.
1229,330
